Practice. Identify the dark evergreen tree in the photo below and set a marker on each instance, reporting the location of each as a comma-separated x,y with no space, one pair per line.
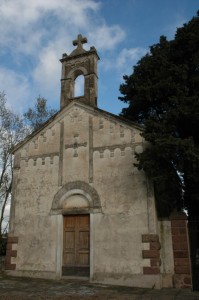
163,94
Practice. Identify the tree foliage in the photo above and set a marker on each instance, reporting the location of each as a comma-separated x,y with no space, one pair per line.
13,129
35,117
163,94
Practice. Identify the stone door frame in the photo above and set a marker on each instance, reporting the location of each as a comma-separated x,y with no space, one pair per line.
77,268
59,209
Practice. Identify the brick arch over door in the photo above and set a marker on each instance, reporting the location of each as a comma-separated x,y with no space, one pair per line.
76,188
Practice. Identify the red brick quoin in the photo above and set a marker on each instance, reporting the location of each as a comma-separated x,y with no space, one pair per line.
153,254
10,253
180,240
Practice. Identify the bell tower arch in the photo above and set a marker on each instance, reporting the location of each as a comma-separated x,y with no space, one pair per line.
79,62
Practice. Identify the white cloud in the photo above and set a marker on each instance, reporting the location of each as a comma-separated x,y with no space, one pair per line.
48,70
129,57
25,25
16,87
107,37
25,12
34,34
125,60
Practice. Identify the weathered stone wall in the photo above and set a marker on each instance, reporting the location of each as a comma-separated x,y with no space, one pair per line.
93,153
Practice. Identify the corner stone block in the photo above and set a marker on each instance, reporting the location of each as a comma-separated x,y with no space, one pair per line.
182,270
7,260
10,253
147,238
12,239
180,238
155,262
9,246
180,254
153,254
178,216
178,231
13,253
155,246
10,266
180,246
178,223
181,262
150,254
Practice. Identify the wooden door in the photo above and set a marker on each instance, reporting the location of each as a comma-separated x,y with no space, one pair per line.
76,245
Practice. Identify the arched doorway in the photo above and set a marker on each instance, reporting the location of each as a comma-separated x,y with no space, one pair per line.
76,236
76,202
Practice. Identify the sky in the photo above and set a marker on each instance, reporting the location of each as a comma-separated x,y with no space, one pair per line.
35,34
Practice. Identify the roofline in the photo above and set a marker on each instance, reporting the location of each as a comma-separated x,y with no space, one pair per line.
35,132
75,102
122,119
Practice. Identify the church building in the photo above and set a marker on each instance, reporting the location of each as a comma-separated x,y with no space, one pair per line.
80,208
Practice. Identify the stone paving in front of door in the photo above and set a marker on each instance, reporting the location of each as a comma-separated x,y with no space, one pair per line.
15,288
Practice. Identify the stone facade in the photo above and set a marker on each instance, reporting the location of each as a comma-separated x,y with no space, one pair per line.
81,162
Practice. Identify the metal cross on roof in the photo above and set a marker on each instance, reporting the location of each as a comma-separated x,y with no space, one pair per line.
79,41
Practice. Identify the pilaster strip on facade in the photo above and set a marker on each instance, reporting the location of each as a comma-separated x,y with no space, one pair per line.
16,173
90,149
61,149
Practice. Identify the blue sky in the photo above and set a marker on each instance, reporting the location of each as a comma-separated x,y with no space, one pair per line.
34,34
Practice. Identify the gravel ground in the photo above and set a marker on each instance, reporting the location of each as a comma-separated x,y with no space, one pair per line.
16,288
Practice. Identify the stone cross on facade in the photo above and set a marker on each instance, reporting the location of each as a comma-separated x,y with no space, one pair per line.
79,41
75,145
